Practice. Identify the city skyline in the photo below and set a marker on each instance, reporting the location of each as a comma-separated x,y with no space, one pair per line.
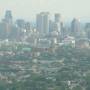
27,9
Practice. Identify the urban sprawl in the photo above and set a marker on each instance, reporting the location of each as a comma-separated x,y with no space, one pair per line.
45,55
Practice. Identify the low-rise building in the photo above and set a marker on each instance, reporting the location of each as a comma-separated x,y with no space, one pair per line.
82,43
68,40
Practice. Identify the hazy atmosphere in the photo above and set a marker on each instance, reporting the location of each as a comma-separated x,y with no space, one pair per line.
44,44
28,8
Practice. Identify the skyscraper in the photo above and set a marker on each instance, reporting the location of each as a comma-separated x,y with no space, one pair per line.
8,22
57,17
87,29
57,23
8,16
43,23
75,27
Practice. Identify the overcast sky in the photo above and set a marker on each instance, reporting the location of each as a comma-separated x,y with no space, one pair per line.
28,8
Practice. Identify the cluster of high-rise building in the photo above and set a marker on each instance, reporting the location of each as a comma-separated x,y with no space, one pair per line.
45,28
44,25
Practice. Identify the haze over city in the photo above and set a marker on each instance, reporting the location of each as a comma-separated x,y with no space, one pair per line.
28,8
44,45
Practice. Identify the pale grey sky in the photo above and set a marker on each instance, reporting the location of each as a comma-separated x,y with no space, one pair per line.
28,8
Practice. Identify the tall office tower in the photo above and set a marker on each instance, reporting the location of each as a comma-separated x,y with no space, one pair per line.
20,23
28,26
51,24
57,17
63,31
87,29
43,23
8,22
27,29
75,27
57,23
8,16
